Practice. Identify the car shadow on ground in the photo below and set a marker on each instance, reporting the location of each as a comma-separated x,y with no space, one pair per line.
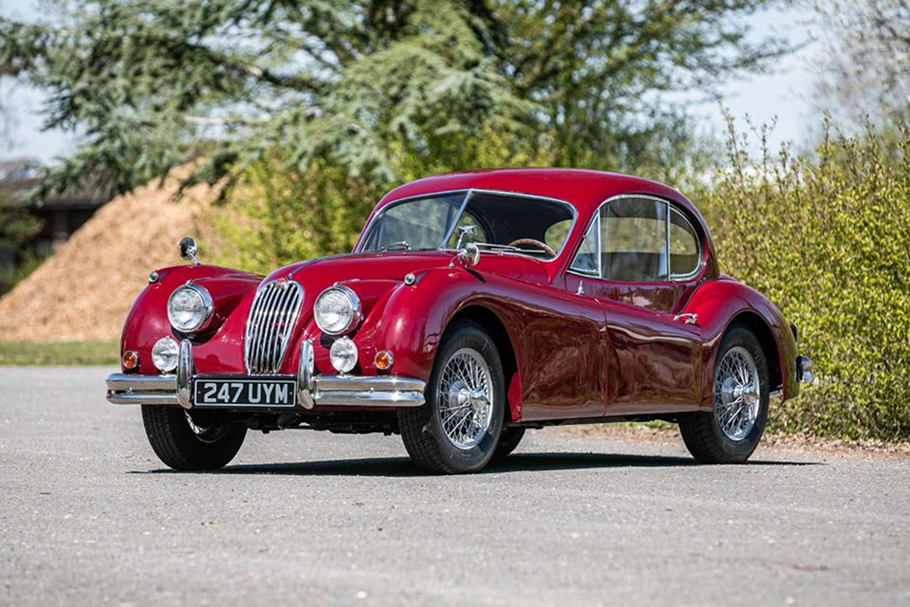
518,462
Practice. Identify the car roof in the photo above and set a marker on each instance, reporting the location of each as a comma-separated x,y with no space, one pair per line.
584,189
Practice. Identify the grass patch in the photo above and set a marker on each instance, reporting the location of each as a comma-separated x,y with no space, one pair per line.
60,353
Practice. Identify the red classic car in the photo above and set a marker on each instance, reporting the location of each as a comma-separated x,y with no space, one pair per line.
474,306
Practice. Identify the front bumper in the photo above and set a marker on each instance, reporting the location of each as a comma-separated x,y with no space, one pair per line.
312,389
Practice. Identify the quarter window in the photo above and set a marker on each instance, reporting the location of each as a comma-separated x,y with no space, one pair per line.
587,260
684,257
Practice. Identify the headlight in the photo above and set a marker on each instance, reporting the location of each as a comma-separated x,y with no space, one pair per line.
189,308
343,355
337,310
164,354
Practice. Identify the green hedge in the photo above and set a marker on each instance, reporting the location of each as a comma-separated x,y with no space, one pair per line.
827,237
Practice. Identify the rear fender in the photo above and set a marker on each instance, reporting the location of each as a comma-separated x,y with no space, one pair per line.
723,302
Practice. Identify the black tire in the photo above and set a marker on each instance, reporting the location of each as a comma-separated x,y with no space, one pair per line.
181,448
421,428
702,432
508,441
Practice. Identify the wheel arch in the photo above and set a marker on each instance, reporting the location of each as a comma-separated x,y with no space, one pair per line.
757,325
496,329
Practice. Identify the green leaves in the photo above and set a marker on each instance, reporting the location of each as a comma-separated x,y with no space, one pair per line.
826,236
357,83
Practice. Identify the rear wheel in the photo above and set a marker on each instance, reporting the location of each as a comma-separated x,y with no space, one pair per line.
458,428
731,431
191,441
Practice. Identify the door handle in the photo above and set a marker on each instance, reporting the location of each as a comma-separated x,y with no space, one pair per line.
690,319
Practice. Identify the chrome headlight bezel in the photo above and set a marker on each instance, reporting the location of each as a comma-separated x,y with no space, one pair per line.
206,309
354,315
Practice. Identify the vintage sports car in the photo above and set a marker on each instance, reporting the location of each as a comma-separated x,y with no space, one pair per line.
474,306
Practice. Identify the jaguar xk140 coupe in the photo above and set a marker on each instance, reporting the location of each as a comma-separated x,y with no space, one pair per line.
474,306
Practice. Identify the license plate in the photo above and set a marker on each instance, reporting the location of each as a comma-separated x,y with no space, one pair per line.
245,392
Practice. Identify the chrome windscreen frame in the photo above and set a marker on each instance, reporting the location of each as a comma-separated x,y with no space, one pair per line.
464,204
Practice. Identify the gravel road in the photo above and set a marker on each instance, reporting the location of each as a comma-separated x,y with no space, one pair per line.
89,516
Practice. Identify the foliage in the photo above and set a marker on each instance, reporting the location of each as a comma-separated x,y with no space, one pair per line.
866,61
59,353
17,228
25,263
279,214
359,83
826,238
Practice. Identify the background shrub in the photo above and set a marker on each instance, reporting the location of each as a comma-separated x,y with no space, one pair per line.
826,236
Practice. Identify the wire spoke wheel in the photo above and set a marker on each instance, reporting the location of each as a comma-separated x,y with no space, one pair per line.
465,398
737,393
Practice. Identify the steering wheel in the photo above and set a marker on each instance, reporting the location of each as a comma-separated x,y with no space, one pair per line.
531,242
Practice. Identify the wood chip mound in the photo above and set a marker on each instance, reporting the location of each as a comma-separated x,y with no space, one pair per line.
84,291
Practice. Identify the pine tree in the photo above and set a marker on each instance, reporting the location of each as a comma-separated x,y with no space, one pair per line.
370,85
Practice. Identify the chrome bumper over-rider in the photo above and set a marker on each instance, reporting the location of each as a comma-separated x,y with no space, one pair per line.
312,389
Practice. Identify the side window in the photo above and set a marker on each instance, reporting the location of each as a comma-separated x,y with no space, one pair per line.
684,253
634,236
587,260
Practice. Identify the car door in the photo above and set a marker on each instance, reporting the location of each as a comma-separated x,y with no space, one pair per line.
639,259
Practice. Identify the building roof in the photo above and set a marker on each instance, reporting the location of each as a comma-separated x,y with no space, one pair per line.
17,185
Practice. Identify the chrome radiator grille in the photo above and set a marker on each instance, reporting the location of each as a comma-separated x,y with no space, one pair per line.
273,314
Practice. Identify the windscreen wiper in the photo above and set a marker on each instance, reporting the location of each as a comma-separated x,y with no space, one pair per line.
403,244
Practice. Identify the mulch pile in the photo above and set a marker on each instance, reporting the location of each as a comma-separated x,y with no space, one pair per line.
84,291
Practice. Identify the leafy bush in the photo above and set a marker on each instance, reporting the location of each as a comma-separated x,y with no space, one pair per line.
17,228
826,236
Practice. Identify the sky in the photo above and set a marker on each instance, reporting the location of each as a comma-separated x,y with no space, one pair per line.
784,94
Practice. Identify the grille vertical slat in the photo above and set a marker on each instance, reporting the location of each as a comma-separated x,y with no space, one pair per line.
265,323
258,315
272,317
272,322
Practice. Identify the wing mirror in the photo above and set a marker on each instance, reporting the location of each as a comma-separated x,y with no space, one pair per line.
468,254
187,249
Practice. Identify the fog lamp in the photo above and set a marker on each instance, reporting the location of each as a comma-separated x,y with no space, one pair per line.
343,355
164,354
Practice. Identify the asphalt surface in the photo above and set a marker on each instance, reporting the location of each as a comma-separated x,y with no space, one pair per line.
89,516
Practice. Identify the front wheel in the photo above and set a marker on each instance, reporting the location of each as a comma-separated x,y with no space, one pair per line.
191,441
458,428
731,431
508,441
